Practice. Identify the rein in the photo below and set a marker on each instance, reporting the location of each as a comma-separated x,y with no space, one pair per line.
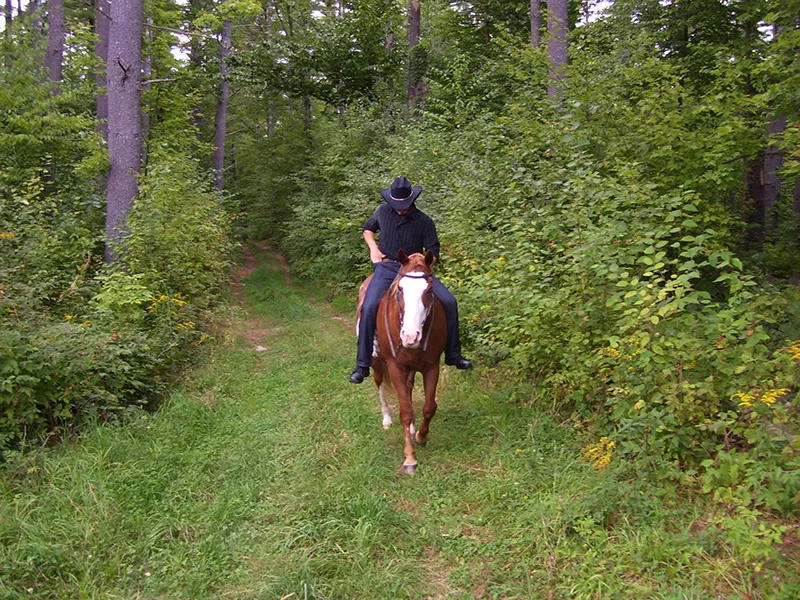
429,313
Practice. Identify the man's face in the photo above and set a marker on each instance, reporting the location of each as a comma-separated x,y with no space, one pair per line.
406,211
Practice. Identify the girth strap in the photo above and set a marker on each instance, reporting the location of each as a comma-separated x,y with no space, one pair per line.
430,328
389,332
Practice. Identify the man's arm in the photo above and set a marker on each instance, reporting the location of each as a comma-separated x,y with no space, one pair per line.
370,227
431,240
375,254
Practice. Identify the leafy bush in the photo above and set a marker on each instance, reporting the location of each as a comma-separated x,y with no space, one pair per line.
179,240
55,377
624,298
75,345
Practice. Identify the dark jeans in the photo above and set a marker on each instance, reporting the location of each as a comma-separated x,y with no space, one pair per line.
384,274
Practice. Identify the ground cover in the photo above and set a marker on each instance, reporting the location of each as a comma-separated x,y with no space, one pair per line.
267,475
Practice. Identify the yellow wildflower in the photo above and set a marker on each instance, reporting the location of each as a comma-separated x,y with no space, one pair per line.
600,454
612,352
744,399
793,349
639,405
7,235
70,318
769,398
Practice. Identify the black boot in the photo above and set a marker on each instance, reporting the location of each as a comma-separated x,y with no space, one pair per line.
459,362
359,374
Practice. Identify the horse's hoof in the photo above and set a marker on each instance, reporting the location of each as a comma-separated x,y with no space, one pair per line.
420,442
387,425
409,469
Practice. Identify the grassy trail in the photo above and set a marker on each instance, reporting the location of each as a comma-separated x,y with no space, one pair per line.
267,475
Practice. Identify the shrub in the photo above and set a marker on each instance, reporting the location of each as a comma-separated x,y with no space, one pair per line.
179,239
55,377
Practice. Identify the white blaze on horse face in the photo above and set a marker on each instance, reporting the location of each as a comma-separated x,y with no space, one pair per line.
414,309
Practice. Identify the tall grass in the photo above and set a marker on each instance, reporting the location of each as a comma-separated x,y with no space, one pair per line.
267,475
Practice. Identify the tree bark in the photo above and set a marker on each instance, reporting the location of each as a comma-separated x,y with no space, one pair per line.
220,123
147,72
271,102
556,44
536,23
102,22
413,39
55,40
9,15
796,196
124,118
773,161
307,112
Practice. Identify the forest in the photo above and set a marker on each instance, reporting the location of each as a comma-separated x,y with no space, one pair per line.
616,186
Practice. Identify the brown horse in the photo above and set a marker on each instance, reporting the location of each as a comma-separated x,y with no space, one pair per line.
410,338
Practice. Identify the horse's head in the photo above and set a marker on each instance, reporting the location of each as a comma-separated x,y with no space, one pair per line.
414,293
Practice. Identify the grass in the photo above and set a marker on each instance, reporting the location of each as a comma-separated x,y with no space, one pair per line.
267,475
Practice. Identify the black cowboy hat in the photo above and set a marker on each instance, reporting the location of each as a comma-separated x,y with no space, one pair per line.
402,194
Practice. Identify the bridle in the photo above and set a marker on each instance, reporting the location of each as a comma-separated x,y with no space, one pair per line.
429,312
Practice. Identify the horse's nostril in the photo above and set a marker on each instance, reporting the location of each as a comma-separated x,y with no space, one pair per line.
410,340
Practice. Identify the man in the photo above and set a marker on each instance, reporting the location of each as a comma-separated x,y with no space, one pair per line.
402,226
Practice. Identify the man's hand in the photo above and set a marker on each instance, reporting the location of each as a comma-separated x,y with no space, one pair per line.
376,255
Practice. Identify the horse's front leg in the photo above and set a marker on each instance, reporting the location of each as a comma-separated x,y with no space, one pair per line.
410,385
399,378
430,379
379,373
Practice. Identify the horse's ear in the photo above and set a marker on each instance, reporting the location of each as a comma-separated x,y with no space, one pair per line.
402,257
429,258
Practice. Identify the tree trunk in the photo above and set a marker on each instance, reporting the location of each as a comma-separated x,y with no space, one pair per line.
102,22
271,101
55,40
33,9
773,161
222,108
124,117
556,44
307,112
536,23
147,72
9,15
413,40
388,43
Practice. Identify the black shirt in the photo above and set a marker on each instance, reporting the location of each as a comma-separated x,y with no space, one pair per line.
411,232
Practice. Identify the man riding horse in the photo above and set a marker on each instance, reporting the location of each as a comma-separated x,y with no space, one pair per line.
405,227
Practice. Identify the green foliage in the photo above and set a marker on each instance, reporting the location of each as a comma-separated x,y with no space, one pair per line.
54,377
593,250
221,494
78,345
179,238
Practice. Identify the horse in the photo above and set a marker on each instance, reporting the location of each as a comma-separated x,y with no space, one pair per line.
410,338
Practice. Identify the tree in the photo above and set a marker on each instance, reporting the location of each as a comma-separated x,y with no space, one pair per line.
55,39
536,23
413,39
102,22
124,120
556,43
220,122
